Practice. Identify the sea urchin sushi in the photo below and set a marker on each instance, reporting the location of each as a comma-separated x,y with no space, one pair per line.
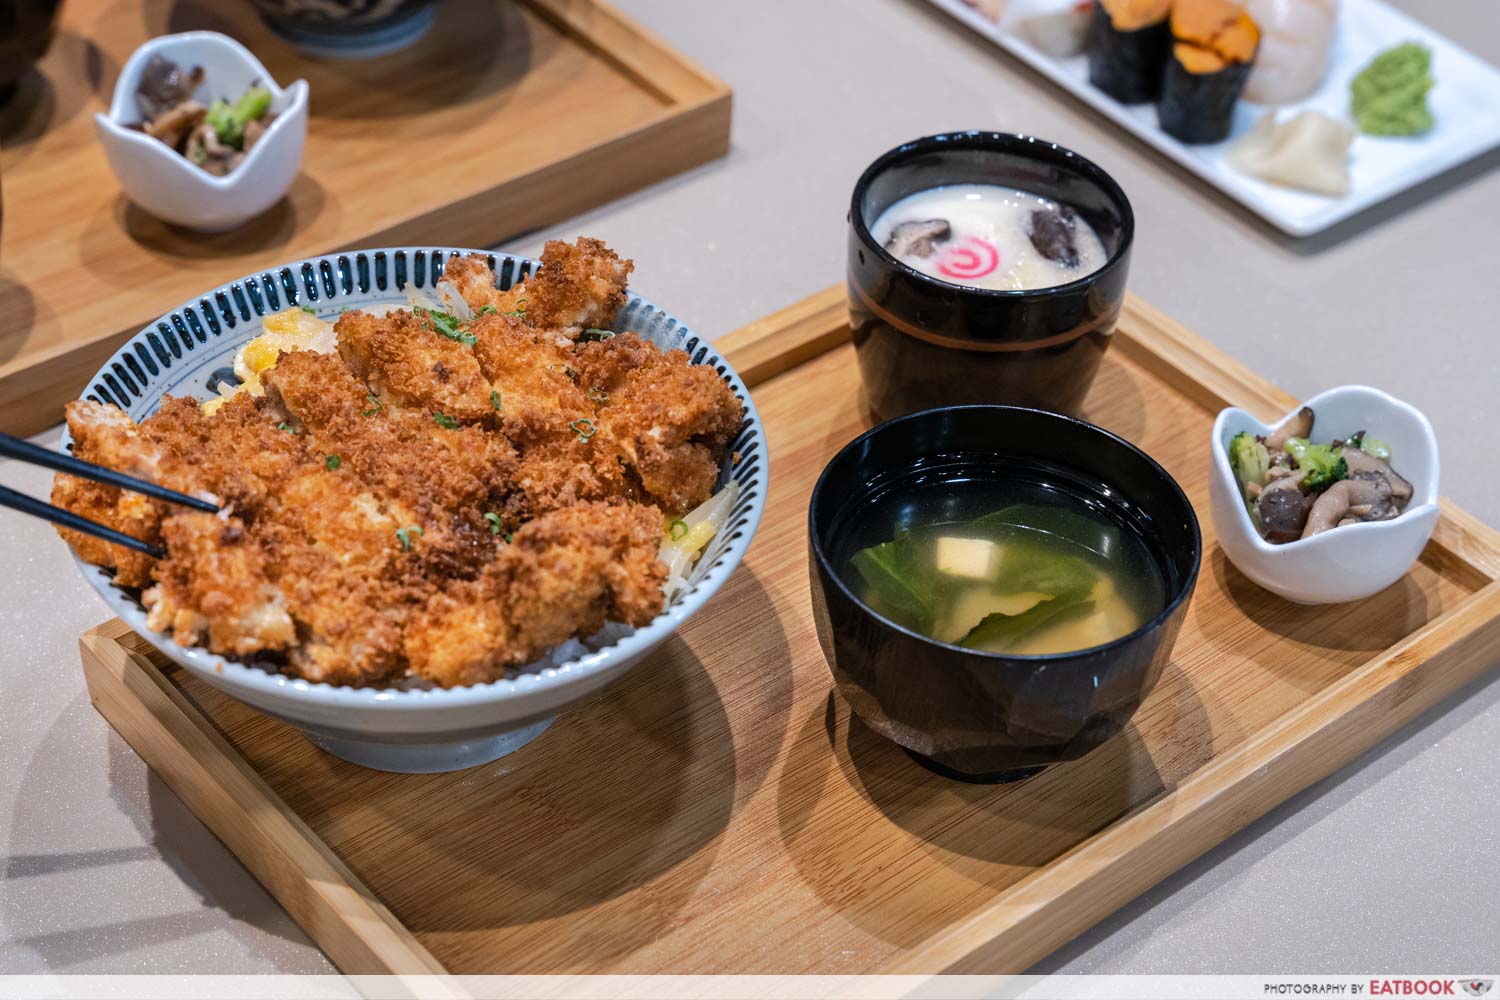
1127,46
1214,45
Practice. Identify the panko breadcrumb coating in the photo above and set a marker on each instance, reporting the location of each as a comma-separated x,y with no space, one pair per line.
438,500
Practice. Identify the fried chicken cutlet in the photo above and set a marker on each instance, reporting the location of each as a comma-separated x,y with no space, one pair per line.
580,285
563,575
441,499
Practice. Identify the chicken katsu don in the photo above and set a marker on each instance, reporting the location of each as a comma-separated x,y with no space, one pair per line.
440,493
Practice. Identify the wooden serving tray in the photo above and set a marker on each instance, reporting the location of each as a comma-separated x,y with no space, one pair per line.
507,116
716,810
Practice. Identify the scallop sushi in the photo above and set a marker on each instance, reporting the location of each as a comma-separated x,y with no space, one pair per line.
1296,36
1127,45
1213,48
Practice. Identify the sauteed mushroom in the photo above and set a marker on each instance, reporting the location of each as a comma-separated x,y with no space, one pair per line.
1349,501
174,126
1299,426
1283,508
1296,488
205,149
1363,462
164,85
215,137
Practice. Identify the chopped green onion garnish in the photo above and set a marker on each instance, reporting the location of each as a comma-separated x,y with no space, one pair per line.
309,309
374,405
446,323
494,520
678,530
445,421
584,428
332,463
404,534
598,395
594,333
509,537
495,400
485,310
284,426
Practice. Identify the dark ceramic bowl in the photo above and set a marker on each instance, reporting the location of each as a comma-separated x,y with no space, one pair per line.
924,342
352,29
988,716
27,28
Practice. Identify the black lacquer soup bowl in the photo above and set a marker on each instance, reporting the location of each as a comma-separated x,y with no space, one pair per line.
924,342
963,712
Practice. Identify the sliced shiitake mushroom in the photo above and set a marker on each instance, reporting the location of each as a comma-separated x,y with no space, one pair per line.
1363,462
1300,425
1282,509
174,126
918,239
1363,498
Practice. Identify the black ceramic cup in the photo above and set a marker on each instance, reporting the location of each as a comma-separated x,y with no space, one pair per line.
983,716
923,342
27,28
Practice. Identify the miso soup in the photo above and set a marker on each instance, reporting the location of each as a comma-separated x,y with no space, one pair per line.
1006,566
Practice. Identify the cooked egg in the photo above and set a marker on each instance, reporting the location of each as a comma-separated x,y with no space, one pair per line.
291,329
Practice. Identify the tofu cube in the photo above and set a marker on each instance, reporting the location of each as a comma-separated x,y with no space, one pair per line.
972,558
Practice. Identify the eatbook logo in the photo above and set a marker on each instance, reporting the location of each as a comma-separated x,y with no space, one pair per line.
1477,987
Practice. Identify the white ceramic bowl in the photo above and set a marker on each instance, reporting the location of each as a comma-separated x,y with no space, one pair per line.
188,351
1343,564
162,181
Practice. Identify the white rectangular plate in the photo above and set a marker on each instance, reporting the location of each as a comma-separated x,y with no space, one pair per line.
1465,103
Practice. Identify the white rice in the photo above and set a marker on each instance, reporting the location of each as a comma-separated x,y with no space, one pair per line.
558,656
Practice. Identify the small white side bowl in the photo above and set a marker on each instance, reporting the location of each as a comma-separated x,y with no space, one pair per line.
1344,564
164,182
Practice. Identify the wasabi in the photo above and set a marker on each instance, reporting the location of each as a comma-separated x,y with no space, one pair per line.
1389,96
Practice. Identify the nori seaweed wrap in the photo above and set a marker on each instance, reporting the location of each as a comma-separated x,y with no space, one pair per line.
1214,45
1128,45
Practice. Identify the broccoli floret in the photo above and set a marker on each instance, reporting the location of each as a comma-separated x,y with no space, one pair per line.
229,120
1321,464
1249,461
1372,446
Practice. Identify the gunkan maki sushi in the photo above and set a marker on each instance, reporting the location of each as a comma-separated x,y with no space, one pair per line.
1213,46
1127,46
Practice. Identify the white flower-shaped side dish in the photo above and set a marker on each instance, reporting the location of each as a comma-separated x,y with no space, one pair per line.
164,182
1341,564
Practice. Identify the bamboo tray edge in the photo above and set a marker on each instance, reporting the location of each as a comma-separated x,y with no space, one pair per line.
1024,922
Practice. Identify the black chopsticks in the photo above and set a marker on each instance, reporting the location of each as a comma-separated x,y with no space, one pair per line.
36,508
24,451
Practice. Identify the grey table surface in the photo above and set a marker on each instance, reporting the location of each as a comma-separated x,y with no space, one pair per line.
1388,866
